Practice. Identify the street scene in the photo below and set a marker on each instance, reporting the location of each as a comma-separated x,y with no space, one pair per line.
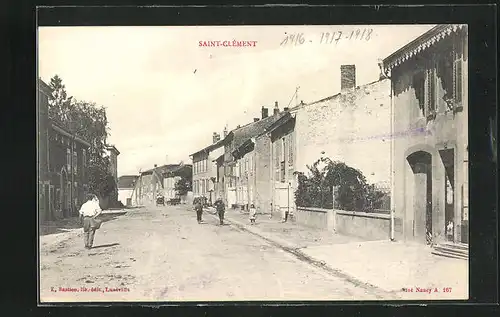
253,163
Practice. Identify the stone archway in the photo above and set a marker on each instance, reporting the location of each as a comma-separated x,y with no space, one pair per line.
420,162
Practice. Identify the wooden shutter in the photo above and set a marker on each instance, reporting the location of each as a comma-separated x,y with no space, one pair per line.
457,81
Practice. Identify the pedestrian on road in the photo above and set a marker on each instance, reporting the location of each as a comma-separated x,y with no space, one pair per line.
221,208
253,213
198,207
88,213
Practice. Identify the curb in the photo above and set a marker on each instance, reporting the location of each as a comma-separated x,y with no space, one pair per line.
295,250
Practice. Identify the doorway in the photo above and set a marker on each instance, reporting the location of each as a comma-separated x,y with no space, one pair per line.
448,158
421,166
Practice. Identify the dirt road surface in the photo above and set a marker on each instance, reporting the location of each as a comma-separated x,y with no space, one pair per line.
163,254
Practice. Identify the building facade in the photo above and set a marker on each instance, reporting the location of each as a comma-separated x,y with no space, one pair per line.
353,127
112,153
152,182
205,169
62,163
429,92
247,162
126,184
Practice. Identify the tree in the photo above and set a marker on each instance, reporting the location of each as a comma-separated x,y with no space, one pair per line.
353,191
182,186
89,122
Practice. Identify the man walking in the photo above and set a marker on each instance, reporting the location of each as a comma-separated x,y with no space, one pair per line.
220,207
198,207
89,212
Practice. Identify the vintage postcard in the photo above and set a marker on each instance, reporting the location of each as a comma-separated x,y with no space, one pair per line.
253,163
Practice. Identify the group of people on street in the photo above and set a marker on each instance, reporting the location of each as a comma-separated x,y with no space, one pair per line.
220,207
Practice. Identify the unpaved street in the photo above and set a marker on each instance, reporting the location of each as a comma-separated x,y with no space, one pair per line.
163,254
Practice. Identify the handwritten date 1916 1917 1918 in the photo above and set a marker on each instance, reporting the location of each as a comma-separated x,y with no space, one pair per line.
328,38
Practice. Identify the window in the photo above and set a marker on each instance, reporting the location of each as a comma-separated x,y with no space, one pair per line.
277,155
68,160
419,86
291,146
431,90
207,184
282,160
457,73
84,162
75,162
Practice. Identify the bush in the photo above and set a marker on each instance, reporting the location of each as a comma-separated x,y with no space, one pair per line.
353,193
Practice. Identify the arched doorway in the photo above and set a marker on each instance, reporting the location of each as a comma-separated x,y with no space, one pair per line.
421,178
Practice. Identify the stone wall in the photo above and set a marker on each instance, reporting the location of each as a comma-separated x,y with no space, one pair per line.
353,127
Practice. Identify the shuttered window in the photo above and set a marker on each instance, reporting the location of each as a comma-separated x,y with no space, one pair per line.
431,90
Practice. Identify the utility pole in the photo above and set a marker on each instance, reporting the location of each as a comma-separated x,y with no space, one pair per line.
297,95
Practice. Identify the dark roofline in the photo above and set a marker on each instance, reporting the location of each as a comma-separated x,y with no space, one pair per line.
420,44
112,147
338,94
210,147
68,134
43,87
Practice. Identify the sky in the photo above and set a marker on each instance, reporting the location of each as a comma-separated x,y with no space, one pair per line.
165,94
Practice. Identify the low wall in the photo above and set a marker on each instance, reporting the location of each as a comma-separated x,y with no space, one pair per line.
370,226
313,217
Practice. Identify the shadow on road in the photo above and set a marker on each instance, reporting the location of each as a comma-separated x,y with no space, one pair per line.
105,245
65,225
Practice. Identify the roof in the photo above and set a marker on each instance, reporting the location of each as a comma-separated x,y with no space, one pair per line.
211,147
68,134
44,88
243,134
420,44
112,148
127,181
165,168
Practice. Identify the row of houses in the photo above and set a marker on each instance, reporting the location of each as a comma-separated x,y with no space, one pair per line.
62,164
406,131
142,189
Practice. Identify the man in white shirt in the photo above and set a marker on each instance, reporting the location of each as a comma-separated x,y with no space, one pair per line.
89,211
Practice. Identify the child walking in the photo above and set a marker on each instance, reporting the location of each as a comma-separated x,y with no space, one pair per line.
253,213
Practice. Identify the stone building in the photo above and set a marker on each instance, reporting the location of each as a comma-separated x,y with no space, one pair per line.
205,168
246,163
429,93
62,164
126,184
352,126
152,181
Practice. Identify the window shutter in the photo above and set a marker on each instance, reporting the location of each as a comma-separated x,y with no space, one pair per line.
290,149
457,81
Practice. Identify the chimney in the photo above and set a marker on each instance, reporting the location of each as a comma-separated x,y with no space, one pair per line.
286,109
238,126
155,166
265,112
255,119
225,132
215,137
347,77
276,110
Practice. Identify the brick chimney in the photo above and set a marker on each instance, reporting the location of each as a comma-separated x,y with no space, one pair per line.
286,109
155,166
225,132
255,119
347,77
216,137
276,110
265,112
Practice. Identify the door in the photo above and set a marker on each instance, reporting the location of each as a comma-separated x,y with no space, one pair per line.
420,163
448,157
